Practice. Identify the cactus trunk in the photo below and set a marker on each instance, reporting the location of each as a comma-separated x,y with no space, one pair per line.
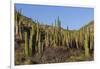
86,46
26,44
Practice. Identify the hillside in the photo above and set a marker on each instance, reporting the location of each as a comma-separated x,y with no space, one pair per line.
89,26
36,43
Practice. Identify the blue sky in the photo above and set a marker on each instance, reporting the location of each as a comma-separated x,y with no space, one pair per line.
73,17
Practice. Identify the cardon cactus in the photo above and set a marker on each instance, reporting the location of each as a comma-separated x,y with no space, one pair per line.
86,47
26,44
32,33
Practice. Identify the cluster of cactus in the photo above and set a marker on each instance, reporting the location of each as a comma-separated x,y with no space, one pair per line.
36,36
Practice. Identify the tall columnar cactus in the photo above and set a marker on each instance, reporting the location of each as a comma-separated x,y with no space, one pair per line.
46,38
91,41
39,45
58,23
67,45
52,35
59,37
81,41
76,39
37,37
70,39
20,32
86,47
55,38
67,39
26,44
64,38
16,25
32,33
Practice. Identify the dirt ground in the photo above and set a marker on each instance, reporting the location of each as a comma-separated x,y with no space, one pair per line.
52,55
